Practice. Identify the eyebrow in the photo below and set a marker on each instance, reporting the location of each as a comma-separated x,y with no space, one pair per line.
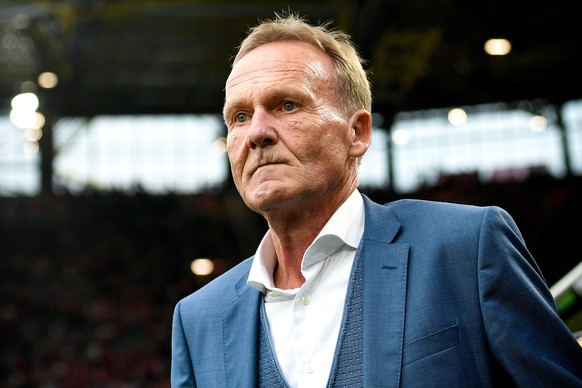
272,94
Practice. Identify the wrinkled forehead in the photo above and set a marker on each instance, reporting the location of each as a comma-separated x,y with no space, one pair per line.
281,59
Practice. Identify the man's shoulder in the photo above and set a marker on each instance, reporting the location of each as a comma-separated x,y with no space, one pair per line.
223,288
427,202
423,210
425,205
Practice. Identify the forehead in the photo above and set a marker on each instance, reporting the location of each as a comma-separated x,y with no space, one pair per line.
280,62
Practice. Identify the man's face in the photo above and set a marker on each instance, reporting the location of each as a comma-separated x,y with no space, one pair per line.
288,142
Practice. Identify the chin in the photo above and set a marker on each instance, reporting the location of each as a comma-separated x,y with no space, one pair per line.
266,200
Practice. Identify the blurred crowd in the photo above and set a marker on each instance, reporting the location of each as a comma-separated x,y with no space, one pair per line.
88,283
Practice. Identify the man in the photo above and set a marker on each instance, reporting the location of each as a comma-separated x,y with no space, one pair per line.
343,291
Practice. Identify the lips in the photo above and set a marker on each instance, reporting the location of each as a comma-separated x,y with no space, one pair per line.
265,163
263,158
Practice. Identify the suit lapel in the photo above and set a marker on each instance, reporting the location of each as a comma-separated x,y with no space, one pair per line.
240,327
385,269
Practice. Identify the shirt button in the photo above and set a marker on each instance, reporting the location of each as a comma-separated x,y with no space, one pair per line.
309,368
305,299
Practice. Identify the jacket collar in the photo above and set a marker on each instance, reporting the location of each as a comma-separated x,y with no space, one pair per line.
385,269
240,327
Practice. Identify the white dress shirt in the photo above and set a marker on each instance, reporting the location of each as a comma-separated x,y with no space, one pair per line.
304,323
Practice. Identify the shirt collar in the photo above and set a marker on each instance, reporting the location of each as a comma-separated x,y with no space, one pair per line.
345,227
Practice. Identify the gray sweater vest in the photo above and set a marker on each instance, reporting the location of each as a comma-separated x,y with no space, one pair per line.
347,367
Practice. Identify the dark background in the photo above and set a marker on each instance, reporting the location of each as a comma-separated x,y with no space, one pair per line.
89,282
172,56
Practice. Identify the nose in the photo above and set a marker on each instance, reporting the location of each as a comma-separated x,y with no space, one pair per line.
262,132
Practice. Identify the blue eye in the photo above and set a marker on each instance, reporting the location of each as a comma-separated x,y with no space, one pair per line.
288,106
241,118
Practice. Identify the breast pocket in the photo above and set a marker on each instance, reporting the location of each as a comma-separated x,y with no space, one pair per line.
431,344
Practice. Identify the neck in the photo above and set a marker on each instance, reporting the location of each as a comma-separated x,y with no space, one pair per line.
291,235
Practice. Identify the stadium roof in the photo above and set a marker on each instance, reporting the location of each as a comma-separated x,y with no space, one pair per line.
173,56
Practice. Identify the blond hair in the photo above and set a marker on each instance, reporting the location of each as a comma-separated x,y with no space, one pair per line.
351,77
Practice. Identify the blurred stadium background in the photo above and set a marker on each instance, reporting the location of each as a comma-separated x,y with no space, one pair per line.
115,197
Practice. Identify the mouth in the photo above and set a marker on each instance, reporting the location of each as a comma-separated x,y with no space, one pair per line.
264,160
264,165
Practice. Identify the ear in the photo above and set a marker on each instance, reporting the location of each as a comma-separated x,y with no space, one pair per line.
361,132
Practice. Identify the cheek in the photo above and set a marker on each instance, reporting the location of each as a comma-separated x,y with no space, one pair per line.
234,152
330,141
319,155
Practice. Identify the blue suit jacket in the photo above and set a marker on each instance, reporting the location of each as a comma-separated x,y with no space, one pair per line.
452,298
